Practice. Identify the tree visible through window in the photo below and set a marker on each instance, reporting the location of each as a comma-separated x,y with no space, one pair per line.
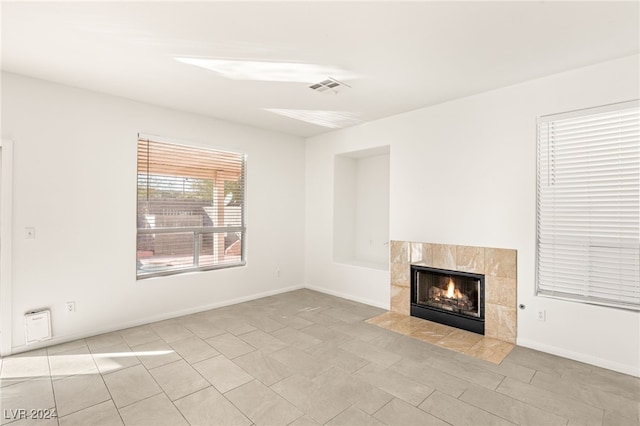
190,208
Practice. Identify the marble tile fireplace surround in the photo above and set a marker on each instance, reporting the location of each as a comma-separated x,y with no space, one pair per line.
497,265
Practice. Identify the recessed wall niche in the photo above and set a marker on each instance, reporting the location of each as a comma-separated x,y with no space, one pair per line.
361,208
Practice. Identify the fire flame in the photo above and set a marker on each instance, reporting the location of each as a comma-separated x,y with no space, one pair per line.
451,289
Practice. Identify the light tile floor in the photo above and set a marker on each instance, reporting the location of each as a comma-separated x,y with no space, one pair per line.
300,358
486,348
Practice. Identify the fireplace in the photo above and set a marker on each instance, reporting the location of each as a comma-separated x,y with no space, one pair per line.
449,297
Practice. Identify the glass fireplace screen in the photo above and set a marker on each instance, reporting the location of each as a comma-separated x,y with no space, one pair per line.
453,293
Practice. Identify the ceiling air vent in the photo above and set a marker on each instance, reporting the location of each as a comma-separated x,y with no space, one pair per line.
330,85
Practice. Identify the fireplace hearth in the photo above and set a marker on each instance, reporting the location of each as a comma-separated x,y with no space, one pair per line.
448,297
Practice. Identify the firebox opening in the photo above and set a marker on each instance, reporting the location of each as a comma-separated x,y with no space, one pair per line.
450,293
449,297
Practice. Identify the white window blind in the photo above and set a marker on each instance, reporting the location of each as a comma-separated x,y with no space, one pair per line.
588,206
190,208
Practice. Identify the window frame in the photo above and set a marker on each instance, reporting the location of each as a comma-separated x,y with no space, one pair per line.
576,296
196,230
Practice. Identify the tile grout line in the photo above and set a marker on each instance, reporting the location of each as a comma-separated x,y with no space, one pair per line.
499,384
238,408
482,409
105,385
380,409
515,399
162,391
53,391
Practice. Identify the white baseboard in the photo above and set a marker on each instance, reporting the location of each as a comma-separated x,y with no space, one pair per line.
348,297
632,370
148,320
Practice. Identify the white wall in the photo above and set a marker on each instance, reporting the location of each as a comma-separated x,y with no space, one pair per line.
344,210
372,204
75,182
463,172
361,208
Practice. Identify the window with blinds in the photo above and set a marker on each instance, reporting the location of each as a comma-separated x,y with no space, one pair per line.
190,208
588,206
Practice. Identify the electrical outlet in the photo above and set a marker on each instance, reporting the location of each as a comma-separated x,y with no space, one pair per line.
542,315
70,307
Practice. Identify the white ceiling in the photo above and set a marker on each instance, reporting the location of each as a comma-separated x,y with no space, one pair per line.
395,56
